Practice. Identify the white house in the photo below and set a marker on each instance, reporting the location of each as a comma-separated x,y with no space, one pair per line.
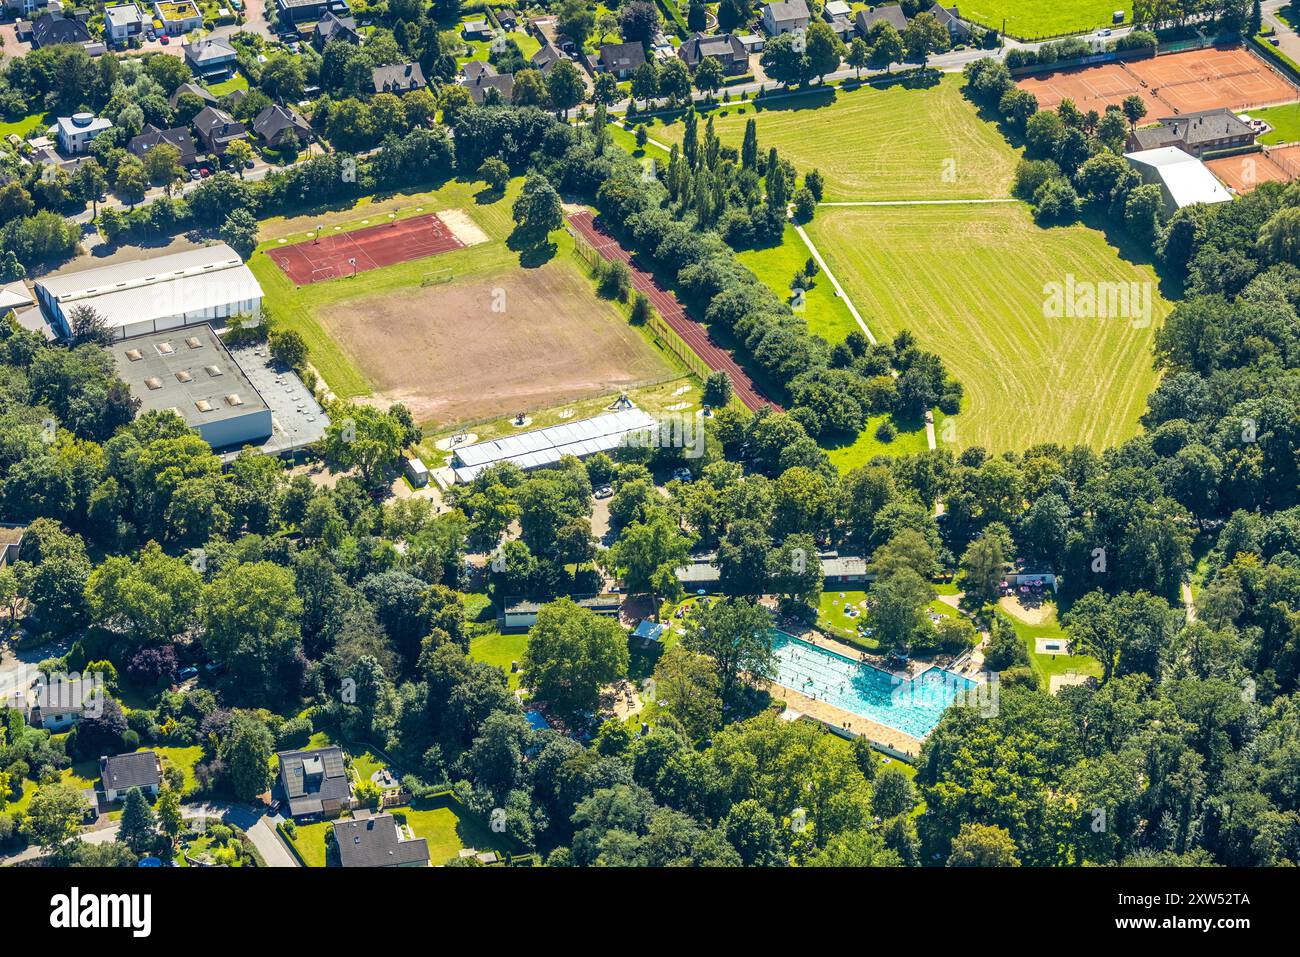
123,21
785,16
75,132
122,772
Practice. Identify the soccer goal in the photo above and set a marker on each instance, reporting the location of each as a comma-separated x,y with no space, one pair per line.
437,278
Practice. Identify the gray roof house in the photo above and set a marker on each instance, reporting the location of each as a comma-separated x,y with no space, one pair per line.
276,122
839,15
728,50
398,78
785,16
332,27
1195,133
373,840
892,14
478,88
545,58
621,59
49,29
948,17
122,772
210,55
152,136
315,782
201,92
217,129
474,69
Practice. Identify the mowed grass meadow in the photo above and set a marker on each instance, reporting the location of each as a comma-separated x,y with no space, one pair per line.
1030,19
971,283
895,143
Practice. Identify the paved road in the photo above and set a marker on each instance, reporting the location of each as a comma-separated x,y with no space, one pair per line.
1287,40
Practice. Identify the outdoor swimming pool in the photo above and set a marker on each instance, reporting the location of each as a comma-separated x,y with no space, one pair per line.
912,707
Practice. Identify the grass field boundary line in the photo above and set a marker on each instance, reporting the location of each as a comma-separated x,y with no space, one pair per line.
918,202
839,290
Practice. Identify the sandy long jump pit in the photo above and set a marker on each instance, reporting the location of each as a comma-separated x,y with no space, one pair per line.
479,348
401,240
1171,84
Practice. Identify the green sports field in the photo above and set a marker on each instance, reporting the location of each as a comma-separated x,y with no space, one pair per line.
1285,121
876,144
1029,19
971,283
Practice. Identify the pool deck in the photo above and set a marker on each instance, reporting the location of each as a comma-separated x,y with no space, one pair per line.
873,731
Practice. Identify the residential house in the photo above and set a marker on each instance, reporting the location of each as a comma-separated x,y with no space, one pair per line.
153,136
474,69
377,840
25,8
276,124
398,78
544,59
217,129
621,59
332,27
1195,133
959,31
839,15
200,91
50,29
892,14
728,50
211,56
178,16
122,22
480,88
509,19
476,30
315,782
304,11
60,702
122,772
75,132
785,16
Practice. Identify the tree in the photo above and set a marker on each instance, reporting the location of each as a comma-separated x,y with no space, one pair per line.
924,35
162,165
495,173
576,21
986,564
675,80
639,21
823,49
130,181
858,55
363,437
289,347
530,89
54,817
887,46
88,325
137,829
605,89
708,76
565,86
983,845
537,211
784,59
246,752
572,652
239,232
151,599
90,182
250,614
892,793
718,389
1134,108
898,602
804,205
645,83
648,553
687,684
755,834
737,635
238,154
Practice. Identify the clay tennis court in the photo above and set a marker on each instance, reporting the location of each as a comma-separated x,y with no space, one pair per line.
1244,172
1172,84
343,254
666,304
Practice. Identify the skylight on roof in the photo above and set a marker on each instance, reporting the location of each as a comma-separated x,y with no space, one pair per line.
154,383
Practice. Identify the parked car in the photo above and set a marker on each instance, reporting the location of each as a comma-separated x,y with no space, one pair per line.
683,474
194,174
249,164
604,491
214,668
164,39
205,172
185,674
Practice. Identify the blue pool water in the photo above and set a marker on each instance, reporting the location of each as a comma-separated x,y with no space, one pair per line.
911,706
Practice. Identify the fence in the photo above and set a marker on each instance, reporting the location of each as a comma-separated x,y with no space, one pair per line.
1290,167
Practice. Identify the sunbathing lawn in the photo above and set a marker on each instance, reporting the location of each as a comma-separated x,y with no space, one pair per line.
183,758
448,827
825,312
1285,121
310,840
497,649
1047,665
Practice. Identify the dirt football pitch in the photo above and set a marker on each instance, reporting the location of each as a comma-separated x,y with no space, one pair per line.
484,348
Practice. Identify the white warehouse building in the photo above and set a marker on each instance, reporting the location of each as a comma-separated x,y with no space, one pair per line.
154,295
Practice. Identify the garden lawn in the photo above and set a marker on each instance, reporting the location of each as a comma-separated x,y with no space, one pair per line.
1047,665
832,620
497,649
1285,121
183,758
848,455
876,144
1030,19
309,842
448,827
971,282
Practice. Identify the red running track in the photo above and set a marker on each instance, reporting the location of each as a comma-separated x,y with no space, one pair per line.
695,335
395,242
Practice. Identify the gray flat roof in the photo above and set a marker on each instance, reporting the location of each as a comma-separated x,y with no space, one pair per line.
186,369
297,418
